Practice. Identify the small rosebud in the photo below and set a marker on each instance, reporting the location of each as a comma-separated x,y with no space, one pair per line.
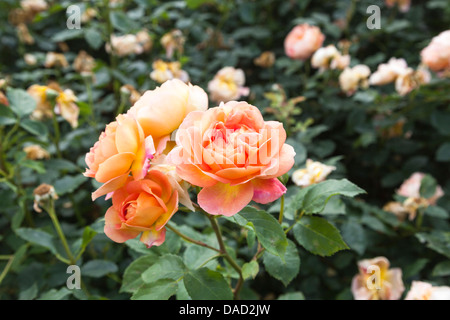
42,194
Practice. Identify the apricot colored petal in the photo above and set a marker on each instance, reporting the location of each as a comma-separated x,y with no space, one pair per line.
172,207
285,162
114,228
110,186
194,175
153,237
224,199
267,190
115,166
127,136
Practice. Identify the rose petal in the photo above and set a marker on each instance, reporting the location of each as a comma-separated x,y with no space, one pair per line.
267,190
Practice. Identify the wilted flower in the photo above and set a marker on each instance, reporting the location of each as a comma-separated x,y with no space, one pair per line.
375,281
36,152
43,106
67,108
353,78
53,59
403,5
436,55
426,291
163,71
24,34
410,80
302,41
227,85
84,63
131,92
3,99
173,41
265,60
42,194
314,172
144,40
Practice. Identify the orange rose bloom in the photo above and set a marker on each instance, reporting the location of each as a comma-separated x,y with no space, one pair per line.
122,149
143,206
234,155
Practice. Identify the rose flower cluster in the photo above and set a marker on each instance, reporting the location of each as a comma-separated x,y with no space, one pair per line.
169,140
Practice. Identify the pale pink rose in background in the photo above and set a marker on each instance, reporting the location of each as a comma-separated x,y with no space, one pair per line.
234,155
410,188
403,5
388,72
375,281
353,78
425,291
436,55
314,172
303,41
227,85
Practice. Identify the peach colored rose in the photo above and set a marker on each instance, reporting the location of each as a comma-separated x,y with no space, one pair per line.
375,281
234,155
124,45
410,188
421,290
164,71
303,41
121,149
436,55
228,85
161,111
142,207
3,99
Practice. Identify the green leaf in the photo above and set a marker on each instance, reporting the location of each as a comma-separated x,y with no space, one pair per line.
21,103
93,38
205,284
286,270
318,236
194,256
88,235
122,22
34,127
54,294
194,4
268,231
292,296
33,164
168,266
132,277
39,237
354,235
441,269
7,117
443,153
318,195
98,268
438,241
67,34
250,269
30,293
428,186
160,290
68,184
436,212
